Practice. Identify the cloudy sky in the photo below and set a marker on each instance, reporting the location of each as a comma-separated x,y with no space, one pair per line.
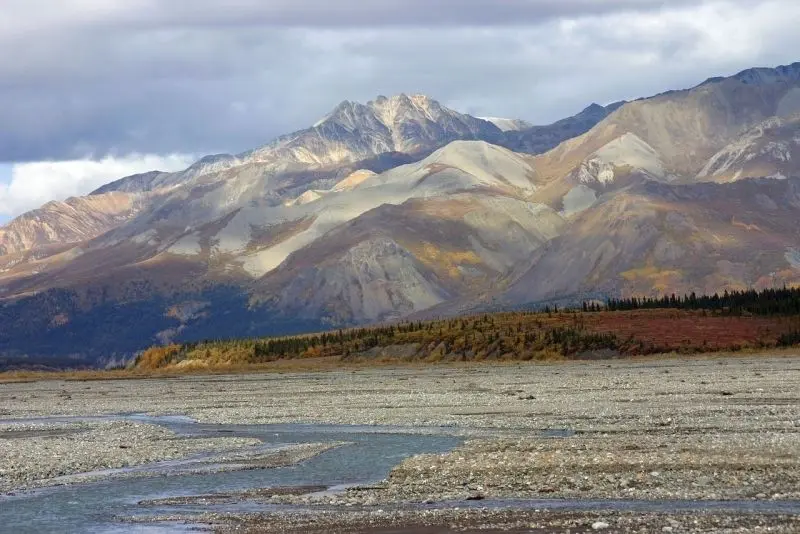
91,90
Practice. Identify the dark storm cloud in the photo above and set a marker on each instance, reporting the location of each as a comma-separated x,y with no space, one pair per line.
91,77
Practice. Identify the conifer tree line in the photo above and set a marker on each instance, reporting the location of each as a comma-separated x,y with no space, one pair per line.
767,302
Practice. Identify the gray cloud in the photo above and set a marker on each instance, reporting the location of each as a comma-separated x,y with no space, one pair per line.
90,77
42,14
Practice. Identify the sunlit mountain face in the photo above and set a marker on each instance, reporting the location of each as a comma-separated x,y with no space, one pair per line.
401,207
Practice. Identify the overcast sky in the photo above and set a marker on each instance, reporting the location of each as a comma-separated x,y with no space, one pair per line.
91,90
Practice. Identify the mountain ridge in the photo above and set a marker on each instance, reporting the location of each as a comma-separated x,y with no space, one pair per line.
401,207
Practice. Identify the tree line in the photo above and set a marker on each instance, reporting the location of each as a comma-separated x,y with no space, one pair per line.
767,302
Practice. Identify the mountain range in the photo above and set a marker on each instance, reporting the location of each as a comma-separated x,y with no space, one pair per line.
401,208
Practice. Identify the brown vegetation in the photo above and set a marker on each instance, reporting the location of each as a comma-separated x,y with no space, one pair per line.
519,336
657,331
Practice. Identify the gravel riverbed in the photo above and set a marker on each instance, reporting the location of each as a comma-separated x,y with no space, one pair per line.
678,428
36,455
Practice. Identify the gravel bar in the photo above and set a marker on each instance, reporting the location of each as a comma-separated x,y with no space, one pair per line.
42,454
709,428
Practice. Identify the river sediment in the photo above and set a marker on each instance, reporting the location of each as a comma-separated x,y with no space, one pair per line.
705,429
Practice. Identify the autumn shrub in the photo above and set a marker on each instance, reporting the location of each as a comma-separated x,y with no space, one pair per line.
158,357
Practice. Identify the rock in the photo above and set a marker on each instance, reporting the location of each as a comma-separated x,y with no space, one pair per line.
600,525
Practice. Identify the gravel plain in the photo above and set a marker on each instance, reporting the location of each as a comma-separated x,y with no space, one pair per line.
709,428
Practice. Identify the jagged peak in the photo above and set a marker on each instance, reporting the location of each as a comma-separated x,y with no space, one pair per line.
418,99
422,100
387,109
390,110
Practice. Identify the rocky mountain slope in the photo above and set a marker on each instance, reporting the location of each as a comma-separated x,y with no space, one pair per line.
771,148
655,238
71,221
450,225
401,207
687,128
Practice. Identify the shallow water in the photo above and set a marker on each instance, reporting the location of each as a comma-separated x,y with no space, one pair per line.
368,457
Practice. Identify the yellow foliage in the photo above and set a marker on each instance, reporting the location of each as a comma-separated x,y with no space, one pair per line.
658,279
449,260
157,357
